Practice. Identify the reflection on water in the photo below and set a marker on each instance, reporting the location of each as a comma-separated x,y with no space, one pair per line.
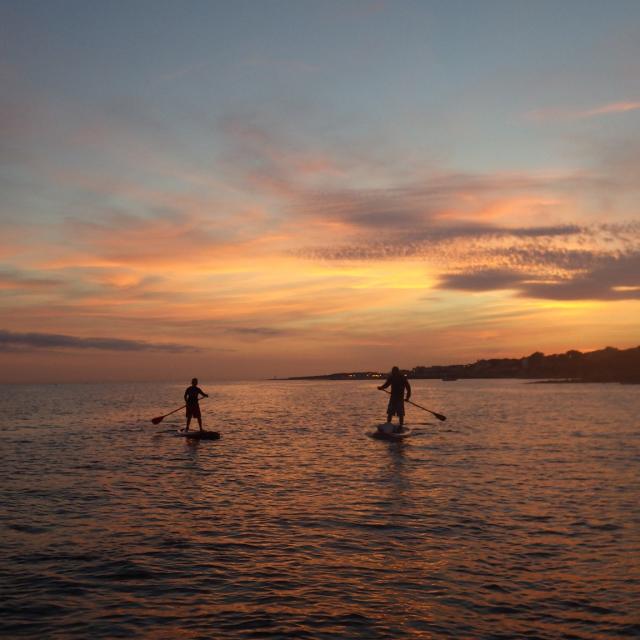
518,517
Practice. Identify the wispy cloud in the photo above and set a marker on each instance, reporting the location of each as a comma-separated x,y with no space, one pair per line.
429,241
15,279
568,114
258,332
614,107
10,340
542,245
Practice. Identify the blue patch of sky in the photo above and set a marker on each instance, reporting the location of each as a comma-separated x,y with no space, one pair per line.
451,79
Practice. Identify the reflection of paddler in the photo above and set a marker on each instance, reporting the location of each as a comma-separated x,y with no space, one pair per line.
191,397
398,383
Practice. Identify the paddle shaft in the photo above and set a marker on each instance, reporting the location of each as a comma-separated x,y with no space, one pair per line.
437,415
159,419
170,412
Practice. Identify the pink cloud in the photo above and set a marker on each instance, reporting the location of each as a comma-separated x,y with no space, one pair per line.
570,114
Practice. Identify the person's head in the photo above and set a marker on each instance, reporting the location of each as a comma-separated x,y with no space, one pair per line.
395,371
194,381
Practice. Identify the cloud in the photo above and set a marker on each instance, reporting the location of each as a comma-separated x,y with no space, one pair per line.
482,280
614,278
16,279
300,198
615,107
162,236
569,114
609,278
10,340
557,251
260,332
437,198
428,242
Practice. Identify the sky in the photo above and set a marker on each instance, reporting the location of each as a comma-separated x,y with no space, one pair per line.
240,190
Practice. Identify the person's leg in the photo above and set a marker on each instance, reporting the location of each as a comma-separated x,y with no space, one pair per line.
188,423
198,416
400,418
390,410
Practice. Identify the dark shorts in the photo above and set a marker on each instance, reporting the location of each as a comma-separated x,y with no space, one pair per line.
193,411
396,407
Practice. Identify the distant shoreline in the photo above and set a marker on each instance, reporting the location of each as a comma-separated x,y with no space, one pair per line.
579,381
603,365
334,377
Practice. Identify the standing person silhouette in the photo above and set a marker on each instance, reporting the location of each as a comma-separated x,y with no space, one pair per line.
191,396
398,383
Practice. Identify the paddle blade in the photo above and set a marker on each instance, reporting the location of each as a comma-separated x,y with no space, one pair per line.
157,420
440,416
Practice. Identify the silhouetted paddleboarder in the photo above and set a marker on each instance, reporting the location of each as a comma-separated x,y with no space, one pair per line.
398,383
191,397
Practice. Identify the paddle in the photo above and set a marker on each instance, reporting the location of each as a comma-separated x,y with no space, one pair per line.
437,415
159,419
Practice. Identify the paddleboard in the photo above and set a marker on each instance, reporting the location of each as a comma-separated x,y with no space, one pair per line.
199,435
385,432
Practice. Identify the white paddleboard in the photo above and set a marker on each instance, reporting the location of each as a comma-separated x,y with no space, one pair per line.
386,432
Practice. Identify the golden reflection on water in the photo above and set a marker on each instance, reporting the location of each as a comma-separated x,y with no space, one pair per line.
518,516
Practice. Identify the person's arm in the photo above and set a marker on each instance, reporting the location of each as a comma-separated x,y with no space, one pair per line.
407,386
385,385
185,395
204,395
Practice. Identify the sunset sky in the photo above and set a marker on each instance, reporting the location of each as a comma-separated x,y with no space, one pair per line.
271,188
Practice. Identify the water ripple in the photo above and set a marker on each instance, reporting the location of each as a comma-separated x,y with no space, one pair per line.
518,518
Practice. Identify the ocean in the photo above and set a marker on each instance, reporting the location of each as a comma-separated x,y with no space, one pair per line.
518,517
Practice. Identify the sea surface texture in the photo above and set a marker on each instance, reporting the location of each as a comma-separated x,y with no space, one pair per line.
518,517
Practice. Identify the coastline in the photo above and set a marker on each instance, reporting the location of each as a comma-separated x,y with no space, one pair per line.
333,377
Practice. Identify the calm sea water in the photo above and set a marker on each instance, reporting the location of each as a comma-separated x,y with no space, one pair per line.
519,517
